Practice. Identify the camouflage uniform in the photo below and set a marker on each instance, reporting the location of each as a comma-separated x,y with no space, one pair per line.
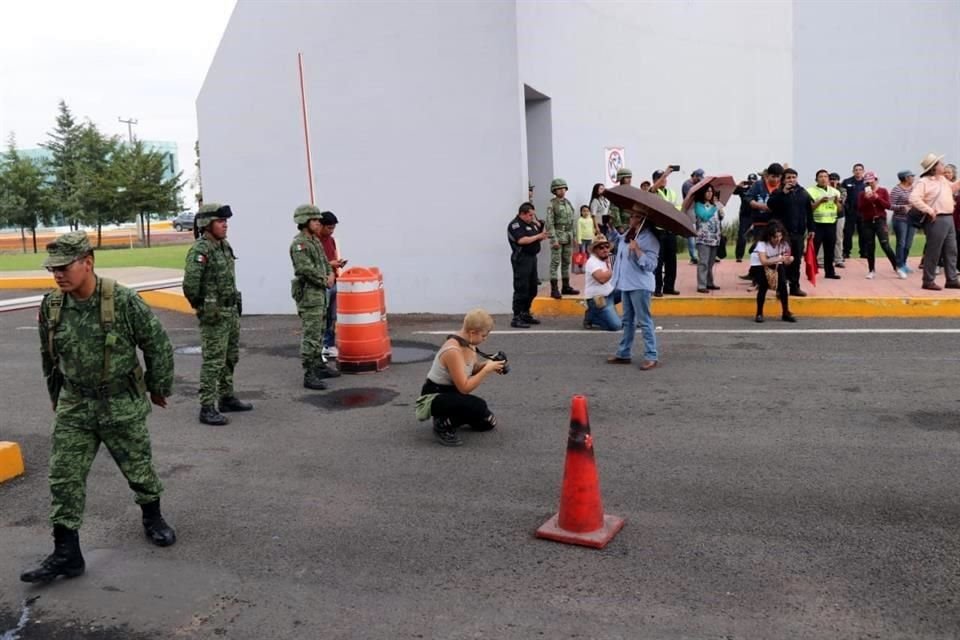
560,225
210,285
309,288
618,218
94,405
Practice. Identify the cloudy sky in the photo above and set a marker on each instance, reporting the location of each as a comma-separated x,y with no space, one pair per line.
108,59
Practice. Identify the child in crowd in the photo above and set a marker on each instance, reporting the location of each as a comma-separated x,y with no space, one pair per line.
586,230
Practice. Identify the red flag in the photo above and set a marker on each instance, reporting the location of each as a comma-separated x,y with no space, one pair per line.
810,257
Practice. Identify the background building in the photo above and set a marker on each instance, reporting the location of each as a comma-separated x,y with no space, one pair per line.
427,118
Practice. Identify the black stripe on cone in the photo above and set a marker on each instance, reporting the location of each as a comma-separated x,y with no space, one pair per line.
581,519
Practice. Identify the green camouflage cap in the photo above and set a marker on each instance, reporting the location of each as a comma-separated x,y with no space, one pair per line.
67,248
305,213
212,211
624,173
557,183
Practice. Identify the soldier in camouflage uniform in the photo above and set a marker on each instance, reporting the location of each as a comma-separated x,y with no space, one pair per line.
618,218
560,228
210,285
312,277
90,329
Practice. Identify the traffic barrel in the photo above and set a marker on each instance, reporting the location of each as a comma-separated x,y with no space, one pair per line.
363,342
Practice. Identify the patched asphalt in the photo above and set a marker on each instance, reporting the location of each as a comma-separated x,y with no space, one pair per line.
774,486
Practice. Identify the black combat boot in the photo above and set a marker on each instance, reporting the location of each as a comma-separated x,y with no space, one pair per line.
322,371
312,381
567,289
232,403
210,415
519,323
157,530
66,559
529,318
554,290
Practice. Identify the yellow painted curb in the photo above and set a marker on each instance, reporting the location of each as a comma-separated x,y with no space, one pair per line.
164,299
30,282
11,461
892,307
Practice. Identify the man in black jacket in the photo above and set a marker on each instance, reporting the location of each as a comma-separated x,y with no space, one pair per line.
853,187
793,207
746,214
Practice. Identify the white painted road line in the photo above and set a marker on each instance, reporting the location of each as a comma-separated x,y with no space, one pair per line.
837,331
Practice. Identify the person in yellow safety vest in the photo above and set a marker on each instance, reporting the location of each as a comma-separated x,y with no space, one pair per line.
826,204
666,273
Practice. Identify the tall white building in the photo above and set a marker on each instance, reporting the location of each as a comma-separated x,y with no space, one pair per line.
427,118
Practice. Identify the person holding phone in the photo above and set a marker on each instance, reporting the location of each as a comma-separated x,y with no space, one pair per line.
872,206
826,205
329,224
793,207
665,276
768,263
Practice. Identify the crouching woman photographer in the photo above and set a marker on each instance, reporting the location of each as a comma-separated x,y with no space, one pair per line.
457,370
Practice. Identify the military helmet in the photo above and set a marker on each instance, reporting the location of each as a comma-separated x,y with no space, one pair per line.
305,213
623,172
210,212
557,183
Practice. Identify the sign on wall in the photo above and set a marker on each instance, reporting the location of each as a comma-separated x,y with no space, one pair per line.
613,162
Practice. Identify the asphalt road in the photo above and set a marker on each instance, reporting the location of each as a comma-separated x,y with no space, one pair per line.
798,485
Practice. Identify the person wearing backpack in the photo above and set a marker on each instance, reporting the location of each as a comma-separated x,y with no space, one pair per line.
90,330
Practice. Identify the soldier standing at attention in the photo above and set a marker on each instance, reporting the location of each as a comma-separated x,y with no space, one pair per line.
90,329
210,285
560,221
312,277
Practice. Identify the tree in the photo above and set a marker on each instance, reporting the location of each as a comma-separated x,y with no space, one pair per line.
96,182
198,181
142,189
63,144
24,193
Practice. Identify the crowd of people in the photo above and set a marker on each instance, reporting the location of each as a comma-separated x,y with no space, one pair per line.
777,217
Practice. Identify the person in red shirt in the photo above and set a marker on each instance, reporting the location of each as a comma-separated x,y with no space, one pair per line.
872,205
329,224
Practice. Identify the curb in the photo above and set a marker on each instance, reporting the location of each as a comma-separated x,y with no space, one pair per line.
27,282
891,307
11,461
169,300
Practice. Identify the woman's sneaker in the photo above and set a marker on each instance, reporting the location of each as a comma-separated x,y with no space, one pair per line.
902,273
445,433
871,275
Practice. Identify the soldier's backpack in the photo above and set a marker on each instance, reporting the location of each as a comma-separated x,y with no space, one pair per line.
107,317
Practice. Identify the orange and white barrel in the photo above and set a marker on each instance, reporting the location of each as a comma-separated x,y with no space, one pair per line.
363,343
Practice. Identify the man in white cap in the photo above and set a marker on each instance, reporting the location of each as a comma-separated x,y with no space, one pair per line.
933,195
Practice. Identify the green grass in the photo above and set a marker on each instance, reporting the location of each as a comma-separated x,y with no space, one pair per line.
166,256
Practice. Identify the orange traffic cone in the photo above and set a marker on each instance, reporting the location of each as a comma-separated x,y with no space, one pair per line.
581,519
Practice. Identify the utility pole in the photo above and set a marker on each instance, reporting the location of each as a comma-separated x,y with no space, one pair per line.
141,235
129,122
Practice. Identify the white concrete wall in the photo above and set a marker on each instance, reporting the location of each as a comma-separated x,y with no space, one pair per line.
876,83
699,83
415,117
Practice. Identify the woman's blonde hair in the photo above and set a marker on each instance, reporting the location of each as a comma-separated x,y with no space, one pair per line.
477,320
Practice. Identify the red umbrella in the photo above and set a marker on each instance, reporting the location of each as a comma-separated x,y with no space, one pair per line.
723,186
810,258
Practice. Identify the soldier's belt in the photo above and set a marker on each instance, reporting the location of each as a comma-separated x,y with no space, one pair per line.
115,388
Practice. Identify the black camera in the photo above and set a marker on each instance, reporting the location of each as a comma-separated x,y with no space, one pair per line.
500,356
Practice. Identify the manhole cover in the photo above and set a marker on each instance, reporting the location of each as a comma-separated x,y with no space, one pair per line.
191,350
359,398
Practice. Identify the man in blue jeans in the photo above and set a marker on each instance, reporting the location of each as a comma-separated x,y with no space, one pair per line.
637,255
328,223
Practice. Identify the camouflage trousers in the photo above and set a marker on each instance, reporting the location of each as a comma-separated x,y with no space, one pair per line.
220,343
314,323
74,449
560,257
